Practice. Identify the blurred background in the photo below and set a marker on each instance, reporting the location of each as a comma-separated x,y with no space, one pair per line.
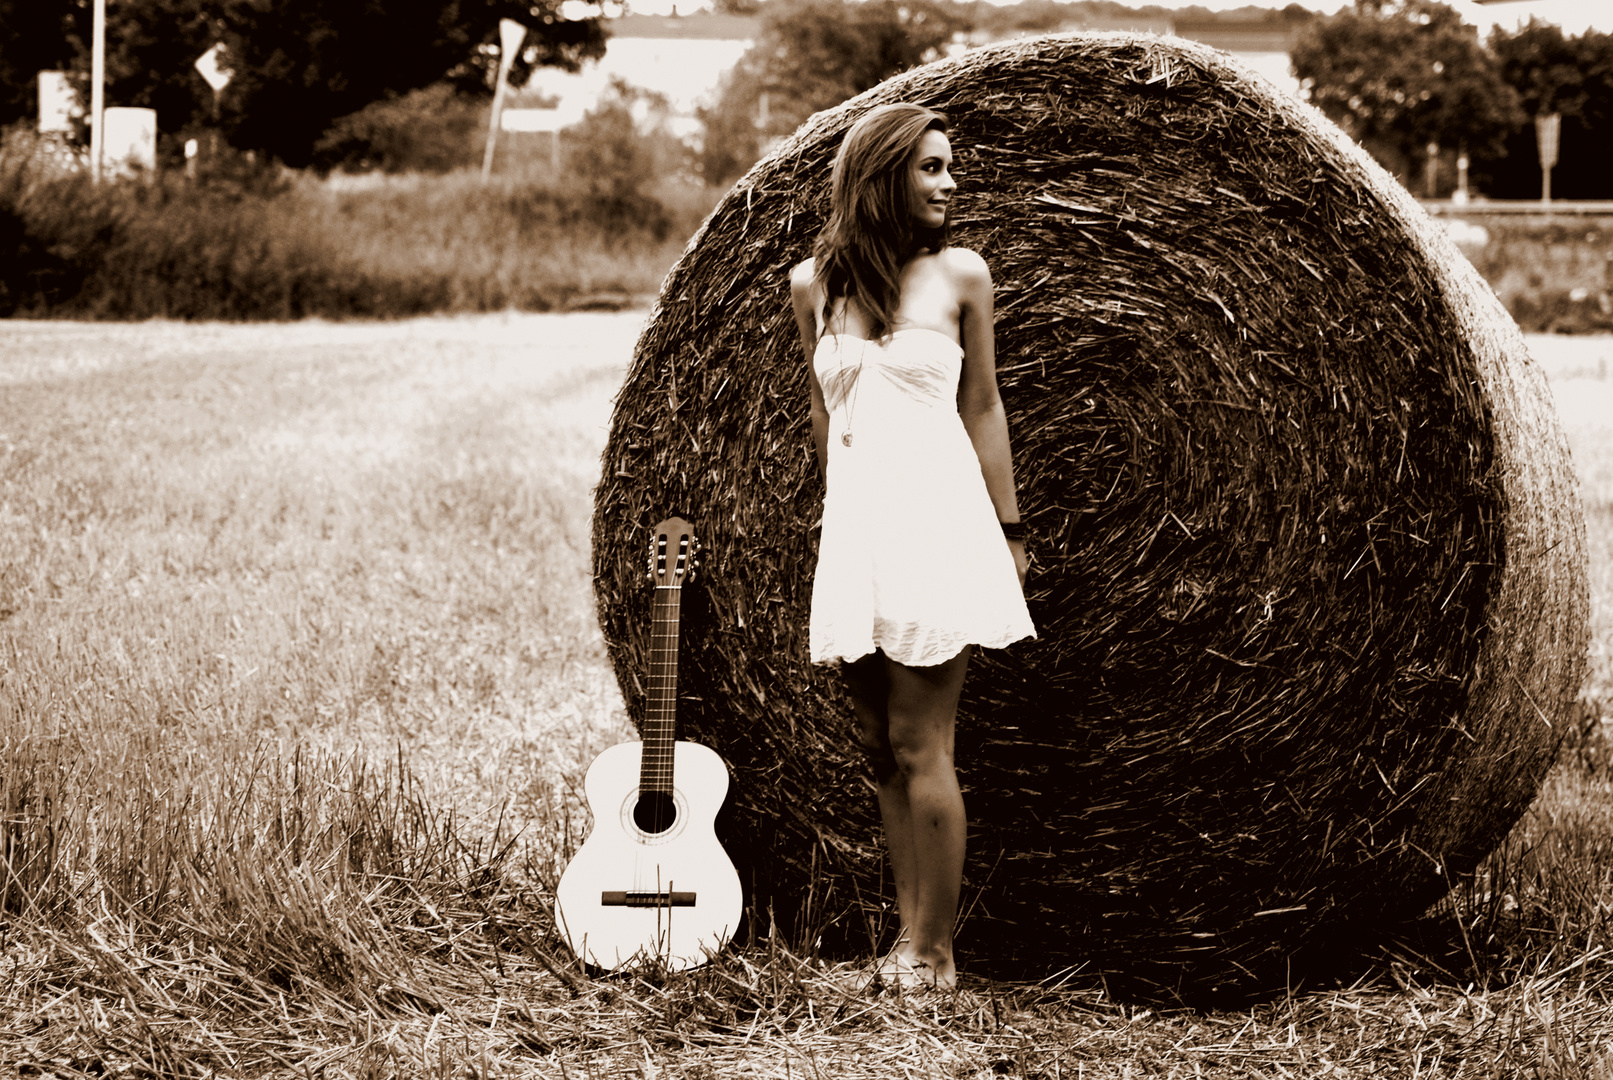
307,158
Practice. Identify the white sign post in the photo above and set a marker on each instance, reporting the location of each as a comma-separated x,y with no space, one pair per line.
130,143
1547,130
510,35
214,67
57,103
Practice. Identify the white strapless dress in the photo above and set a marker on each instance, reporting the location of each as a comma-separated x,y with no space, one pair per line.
912,559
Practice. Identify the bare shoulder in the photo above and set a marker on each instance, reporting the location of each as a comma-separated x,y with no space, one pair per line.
966,266
805,297
970,277
801,276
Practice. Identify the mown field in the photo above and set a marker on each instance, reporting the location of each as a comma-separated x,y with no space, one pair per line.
299,673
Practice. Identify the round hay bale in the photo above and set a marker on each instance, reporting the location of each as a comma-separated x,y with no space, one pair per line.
1308,560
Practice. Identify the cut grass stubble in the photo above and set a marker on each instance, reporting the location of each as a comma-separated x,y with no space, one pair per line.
298,677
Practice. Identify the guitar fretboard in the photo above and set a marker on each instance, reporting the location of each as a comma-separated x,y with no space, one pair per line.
660,722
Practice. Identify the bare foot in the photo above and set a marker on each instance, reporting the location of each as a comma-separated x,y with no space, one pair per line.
911,973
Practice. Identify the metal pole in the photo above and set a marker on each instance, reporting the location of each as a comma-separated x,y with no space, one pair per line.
492,125
97,90
511,34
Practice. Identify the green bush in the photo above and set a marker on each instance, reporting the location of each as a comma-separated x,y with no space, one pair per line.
33,275
618,156
431,130
247,241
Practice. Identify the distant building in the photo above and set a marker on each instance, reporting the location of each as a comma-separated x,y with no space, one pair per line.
685,58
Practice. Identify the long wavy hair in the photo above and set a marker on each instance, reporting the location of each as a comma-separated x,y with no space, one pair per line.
871,233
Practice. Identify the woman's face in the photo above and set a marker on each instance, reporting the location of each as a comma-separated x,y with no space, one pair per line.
930,181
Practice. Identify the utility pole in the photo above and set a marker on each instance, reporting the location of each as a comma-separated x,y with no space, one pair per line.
97,89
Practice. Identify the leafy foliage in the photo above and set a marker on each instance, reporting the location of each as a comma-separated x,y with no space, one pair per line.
32,38
812,54
435,129
32,272
1400,74
616,159
300,64
1572,76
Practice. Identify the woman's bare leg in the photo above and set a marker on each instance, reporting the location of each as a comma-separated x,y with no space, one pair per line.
906,717
869,686
922,710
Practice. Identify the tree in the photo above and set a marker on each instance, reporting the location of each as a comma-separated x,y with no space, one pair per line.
621,152
810,55
1555,74
434,129
300,64
33,38
1401,74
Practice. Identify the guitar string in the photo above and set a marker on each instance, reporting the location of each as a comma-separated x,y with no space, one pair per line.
656,760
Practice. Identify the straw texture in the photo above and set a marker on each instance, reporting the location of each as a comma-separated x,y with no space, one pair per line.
1308,560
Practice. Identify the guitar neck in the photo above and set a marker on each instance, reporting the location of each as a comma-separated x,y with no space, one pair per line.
660,723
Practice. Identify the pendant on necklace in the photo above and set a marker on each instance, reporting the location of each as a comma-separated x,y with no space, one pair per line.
845,440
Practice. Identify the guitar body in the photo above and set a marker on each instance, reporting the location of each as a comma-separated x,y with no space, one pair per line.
631,895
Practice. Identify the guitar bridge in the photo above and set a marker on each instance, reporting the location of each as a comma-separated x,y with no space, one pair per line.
646,898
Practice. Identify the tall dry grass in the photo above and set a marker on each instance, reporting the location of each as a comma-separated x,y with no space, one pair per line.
253,243
298,676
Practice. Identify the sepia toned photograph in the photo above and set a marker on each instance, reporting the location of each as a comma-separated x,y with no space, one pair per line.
855,539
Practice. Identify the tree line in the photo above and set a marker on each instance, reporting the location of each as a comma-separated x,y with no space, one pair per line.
325,84
1406,78
1410,82
298,65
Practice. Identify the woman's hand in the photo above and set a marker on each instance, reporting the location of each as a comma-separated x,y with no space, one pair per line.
1021,562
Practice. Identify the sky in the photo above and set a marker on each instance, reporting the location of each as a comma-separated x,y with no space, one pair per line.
1574,16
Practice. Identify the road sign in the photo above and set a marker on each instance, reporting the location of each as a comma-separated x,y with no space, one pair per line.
212,65
130,145
1547,130
510,36
57,102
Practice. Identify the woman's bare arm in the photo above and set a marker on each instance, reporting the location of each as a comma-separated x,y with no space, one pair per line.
979,403
806,301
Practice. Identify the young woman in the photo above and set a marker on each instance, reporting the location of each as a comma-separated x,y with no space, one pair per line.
922,556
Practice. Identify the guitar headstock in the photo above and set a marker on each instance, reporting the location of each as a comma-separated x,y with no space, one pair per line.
674,552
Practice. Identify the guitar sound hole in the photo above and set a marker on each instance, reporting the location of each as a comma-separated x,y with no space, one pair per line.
655,811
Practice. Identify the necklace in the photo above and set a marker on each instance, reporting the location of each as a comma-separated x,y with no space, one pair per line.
856,388
840,369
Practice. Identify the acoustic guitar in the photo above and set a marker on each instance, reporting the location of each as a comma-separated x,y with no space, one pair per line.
651,883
